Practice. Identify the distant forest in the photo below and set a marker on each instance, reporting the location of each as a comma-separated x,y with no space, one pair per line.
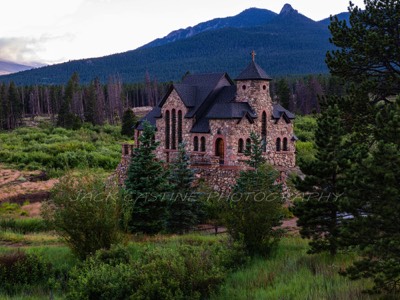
73,103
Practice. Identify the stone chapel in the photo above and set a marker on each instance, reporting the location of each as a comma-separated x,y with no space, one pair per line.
214,115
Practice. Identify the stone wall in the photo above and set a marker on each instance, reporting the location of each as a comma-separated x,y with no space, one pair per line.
231,130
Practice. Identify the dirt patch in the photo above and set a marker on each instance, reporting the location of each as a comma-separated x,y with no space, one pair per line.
20,186
32,209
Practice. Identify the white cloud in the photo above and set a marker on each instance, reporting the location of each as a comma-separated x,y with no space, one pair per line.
53,31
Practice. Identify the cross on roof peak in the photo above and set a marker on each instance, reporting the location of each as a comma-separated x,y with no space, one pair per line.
253,55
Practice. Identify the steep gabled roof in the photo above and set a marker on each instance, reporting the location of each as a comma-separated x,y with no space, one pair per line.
232,110
278,111
187,93
253,72
150,117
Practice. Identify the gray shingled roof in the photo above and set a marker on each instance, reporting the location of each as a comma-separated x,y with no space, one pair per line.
278,111
187,94
212,96
150,117
253,72
233,110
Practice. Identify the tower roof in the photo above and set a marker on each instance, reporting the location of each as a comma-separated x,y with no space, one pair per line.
253,71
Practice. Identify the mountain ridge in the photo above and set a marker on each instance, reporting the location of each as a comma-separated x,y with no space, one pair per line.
8,67
288,43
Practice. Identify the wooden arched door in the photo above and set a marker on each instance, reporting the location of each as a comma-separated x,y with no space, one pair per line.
220,150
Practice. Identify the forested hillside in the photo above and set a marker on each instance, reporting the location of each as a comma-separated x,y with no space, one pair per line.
289,43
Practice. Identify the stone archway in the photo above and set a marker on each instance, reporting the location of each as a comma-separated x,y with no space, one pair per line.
220,150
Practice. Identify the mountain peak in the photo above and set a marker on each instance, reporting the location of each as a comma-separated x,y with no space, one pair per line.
287,9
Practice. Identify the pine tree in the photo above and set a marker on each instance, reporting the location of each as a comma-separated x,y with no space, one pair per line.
183,205
368,47
128,122
283,92
319,213
373,192
15,105
66,118
254,151
147,185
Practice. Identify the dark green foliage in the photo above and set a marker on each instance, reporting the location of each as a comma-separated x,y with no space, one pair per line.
66,117
191,269
319,211
128,122
255,209
214,205
85,213
147,185
20,270
23,225
255,151
368,46
183,206
283,93
374,197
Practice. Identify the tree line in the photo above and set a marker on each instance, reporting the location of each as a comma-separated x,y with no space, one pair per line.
73,103
97,103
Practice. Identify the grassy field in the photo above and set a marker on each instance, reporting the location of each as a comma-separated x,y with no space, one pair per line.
289,274
56,149
293,274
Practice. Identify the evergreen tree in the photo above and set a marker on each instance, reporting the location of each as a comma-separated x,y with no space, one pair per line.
368,46
128,122
147,185
66,118
90,103
254,151
15,105
374,199
255,210
182,208
283,92
319,213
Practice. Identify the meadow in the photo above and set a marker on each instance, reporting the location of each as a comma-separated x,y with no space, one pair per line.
56,149
190,266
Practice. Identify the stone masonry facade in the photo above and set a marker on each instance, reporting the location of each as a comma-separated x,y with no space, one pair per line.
214,116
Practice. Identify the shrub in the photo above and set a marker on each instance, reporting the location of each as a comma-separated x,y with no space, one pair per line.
192,269
85,212
18,269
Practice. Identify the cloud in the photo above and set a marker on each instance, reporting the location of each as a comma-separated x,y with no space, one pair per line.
20,50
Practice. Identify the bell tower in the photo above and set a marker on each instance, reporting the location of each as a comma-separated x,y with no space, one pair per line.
252,86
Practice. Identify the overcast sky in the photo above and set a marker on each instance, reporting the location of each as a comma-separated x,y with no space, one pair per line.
52,31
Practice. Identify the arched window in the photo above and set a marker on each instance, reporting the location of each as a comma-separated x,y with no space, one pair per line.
167,129
203,144
179,126
195,143
248,144
173,131
264,131
278,144
285,145
240,146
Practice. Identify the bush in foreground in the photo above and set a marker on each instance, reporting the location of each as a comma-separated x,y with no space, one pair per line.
19,270
85,212
191,269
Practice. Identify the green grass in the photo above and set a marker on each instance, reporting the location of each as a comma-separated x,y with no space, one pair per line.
54,149
293,274
290,274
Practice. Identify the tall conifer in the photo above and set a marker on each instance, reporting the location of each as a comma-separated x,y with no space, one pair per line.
319,213
147,184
